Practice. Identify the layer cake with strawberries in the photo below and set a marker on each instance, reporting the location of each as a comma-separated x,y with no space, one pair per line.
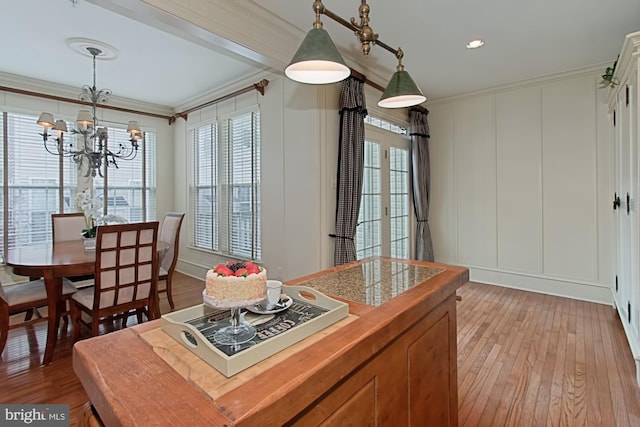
235,284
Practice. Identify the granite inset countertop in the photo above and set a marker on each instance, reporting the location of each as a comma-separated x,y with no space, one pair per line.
374,282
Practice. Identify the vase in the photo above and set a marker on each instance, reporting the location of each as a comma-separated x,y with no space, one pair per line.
89,243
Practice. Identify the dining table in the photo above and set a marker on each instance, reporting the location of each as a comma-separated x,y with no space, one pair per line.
53,262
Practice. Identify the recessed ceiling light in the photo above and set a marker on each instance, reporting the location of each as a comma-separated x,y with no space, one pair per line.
474,44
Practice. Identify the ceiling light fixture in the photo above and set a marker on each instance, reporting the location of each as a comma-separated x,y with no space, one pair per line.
474,44
317,60
92,140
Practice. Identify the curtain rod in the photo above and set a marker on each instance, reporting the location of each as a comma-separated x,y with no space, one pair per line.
358,75
260,86
77,101
419,108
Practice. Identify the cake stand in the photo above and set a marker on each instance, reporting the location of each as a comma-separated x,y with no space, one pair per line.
239,331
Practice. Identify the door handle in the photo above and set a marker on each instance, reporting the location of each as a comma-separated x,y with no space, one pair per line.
616,201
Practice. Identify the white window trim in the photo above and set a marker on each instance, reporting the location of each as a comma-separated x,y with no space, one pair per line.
217,120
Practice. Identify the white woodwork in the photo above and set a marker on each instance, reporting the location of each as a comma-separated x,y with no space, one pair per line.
519,180
569,179
442,204
475,153
623,105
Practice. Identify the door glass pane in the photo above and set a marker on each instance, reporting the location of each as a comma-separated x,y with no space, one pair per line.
399,203
368,233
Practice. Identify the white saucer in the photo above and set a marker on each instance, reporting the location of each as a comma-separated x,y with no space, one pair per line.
258,309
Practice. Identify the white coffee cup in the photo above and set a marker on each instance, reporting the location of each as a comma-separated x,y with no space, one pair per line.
274,288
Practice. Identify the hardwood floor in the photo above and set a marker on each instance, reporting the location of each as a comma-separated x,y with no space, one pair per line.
524,359
528,359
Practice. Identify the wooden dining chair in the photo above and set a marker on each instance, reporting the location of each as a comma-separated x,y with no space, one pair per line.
67,226
170,233
126,277
23,298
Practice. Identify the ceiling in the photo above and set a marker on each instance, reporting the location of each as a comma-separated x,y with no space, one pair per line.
523,40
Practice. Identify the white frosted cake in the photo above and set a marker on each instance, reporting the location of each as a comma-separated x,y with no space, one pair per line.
235,284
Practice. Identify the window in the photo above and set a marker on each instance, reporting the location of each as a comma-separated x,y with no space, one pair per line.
384,217
225,194
36,184
383,124
131,189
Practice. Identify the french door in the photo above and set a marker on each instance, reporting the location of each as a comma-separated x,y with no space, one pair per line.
385,213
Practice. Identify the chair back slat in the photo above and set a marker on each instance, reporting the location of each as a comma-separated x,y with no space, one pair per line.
126,266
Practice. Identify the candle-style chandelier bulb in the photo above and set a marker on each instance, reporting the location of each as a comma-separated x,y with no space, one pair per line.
93,150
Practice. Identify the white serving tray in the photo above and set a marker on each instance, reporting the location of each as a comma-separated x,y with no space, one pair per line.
272,336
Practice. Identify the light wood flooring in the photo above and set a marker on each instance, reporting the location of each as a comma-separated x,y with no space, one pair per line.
524,359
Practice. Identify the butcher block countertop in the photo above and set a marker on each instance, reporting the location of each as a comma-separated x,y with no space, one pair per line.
391,361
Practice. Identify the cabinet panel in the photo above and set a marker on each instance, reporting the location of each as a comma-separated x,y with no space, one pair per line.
412,382
623,187
428,366
623,106
634,191
359,410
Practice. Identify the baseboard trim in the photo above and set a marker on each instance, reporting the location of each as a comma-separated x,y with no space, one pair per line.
559,287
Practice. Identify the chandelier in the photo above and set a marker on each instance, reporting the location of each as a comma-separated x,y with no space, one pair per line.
317,60
91,143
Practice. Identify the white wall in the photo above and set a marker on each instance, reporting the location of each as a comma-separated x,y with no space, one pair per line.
521,181
298,128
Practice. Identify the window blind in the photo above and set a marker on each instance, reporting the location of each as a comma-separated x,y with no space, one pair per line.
32,185
225,195
36,184
131,188
204,198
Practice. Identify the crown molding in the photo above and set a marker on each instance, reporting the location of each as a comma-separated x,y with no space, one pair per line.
71,92
592,70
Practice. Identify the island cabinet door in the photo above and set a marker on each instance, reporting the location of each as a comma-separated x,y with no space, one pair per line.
410,382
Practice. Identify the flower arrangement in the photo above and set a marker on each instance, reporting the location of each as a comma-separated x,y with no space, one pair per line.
92,208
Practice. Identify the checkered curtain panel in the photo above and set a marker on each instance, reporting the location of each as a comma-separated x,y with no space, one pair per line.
421,171
350,169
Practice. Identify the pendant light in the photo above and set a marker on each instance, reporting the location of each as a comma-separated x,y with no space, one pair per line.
401,91
317,60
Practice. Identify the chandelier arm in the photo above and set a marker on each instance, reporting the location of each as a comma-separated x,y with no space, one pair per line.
46,147
95,152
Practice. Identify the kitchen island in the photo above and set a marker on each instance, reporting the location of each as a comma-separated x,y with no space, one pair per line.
392,361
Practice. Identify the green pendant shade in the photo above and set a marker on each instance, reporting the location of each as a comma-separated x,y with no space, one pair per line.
317,60
401,91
